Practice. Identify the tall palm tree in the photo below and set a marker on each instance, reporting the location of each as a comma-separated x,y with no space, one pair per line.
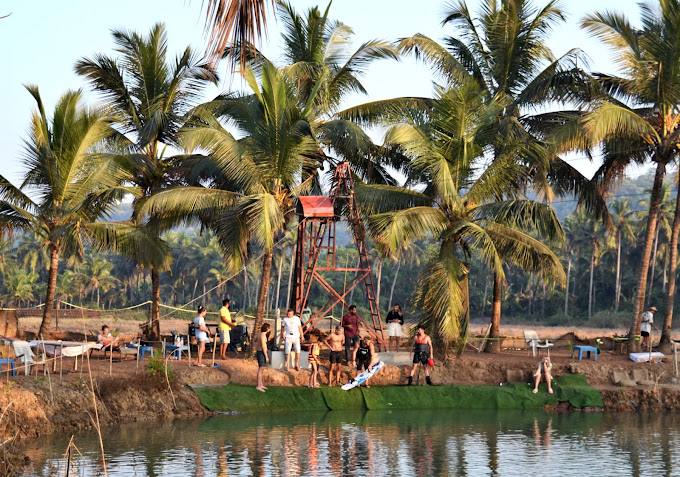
151,94
622,216
267,168
503,50
98,276
669,301
465,207
69,184
639,121
320,58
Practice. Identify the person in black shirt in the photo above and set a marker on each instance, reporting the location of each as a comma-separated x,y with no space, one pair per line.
395,318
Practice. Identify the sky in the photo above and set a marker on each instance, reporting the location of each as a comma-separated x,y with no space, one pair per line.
42,40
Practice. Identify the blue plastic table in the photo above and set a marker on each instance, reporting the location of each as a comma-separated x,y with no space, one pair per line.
10,362
143,350
582,349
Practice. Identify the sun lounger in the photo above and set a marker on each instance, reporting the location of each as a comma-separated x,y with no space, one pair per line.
646,356
622,379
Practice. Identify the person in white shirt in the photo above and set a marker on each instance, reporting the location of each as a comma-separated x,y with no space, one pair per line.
646,328
291,330
202,332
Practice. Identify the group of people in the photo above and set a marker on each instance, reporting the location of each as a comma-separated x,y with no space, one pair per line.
359,351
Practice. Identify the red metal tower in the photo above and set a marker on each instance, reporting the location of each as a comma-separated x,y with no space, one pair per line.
315,251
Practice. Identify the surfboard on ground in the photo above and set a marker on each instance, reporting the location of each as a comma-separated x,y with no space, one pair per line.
363,377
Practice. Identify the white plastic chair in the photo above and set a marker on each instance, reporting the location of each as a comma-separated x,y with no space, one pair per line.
23,351
531,338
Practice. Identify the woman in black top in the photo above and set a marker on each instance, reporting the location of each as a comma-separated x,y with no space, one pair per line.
395,318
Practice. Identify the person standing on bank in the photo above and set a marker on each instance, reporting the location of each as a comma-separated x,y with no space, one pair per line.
291,330
350,323
646,328
422,352
335,341
225,327
262,356
202,334
395,320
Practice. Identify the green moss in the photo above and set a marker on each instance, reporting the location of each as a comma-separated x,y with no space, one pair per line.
573,389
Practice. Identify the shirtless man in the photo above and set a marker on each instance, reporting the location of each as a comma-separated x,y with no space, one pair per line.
335,341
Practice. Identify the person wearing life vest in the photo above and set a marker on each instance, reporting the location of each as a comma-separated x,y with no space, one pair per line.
422,352
364,355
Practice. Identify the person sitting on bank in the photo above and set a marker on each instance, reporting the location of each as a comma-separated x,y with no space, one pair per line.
225,326
364,356
335,341
262,355
106,339
395,320
422,352
646,328
544,369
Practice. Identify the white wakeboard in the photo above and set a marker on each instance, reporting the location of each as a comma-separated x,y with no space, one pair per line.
363,377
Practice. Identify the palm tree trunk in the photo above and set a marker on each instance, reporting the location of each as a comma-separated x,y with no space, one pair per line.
665,344
394,282
664,283
486,293
245,288
653,264
590,288
543,301
652,218
566,293
379,281
290,281
51,291
264,287
154,333
618,270
278,281
494,344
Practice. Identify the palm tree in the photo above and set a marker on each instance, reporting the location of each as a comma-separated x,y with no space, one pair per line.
264,171
639,120
151,95
503,50
320,59
465,209
235,22
98,276
68,185
621,216
665,343
20,285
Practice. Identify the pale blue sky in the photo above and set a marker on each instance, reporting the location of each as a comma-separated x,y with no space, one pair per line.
42,40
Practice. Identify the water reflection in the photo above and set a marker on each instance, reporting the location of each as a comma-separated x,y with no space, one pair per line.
377,443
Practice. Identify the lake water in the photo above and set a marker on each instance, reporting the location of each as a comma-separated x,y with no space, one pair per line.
376,444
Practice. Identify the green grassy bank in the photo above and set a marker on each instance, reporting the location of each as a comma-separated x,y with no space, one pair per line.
573,389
